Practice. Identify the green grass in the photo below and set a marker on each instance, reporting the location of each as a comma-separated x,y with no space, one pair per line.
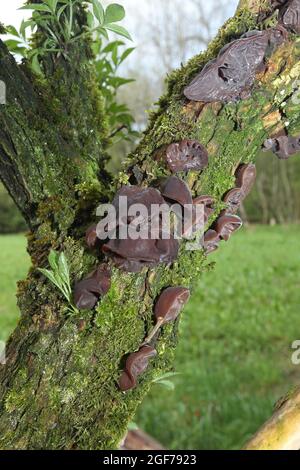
14,263
234,356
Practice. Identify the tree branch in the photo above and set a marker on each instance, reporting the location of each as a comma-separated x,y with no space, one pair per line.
71,365
282,431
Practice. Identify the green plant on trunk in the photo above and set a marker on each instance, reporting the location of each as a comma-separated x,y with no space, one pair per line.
56,18
59,276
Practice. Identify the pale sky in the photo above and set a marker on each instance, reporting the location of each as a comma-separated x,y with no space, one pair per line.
9,13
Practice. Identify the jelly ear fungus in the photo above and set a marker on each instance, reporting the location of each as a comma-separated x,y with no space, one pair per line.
245,180
231,75
185,156
168,307
136,365
88,291
283,146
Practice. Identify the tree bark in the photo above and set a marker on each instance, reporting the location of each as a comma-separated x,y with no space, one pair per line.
58,389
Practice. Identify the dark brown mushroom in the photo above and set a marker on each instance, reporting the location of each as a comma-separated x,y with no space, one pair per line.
88,291
283,146
198,219
186,155
167,308
233,199
245,179
132,255
91,236
176,190
136,364
289,16
211,241
170,303
168,249
226,225
232,75
208,203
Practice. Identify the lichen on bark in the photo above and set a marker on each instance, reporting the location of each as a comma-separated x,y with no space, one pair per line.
59,387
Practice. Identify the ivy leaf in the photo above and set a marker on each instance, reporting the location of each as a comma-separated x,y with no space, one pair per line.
114,13
118,30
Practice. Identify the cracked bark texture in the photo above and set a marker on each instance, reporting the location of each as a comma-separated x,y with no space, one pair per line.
58,389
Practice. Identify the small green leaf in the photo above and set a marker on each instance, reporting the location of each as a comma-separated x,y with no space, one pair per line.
12,30
103,32
50,275
52,4
35,65
118,30
53,260
167,384
167,375
98,11
23,27
111,45
132,426
90,20
36,7
114,13
60,11
126,54
63,269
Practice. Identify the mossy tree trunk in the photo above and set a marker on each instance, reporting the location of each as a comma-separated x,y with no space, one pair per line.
58,389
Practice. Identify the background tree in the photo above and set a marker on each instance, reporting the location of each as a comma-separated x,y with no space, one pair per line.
53,142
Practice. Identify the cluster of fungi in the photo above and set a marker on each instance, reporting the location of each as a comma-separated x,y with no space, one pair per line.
230,77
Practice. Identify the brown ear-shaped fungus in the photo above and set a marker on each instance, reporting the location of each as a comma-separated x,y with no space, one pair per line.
88,291
91,236
226,225
136,364
211,241
186,155
245,180
170,303
283,146
232,75
176,190
289,16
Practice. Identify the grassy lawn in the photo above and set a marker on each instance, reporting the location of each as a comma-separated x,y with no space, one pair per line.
14,263
235,351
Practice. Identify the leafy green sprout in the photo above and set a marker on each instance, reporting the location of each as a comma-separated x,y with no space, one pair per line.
164,380
59,276
57,21
109,58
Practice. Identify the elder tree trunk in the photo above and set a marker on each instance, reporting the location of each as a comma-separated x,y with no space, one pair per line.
58,389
